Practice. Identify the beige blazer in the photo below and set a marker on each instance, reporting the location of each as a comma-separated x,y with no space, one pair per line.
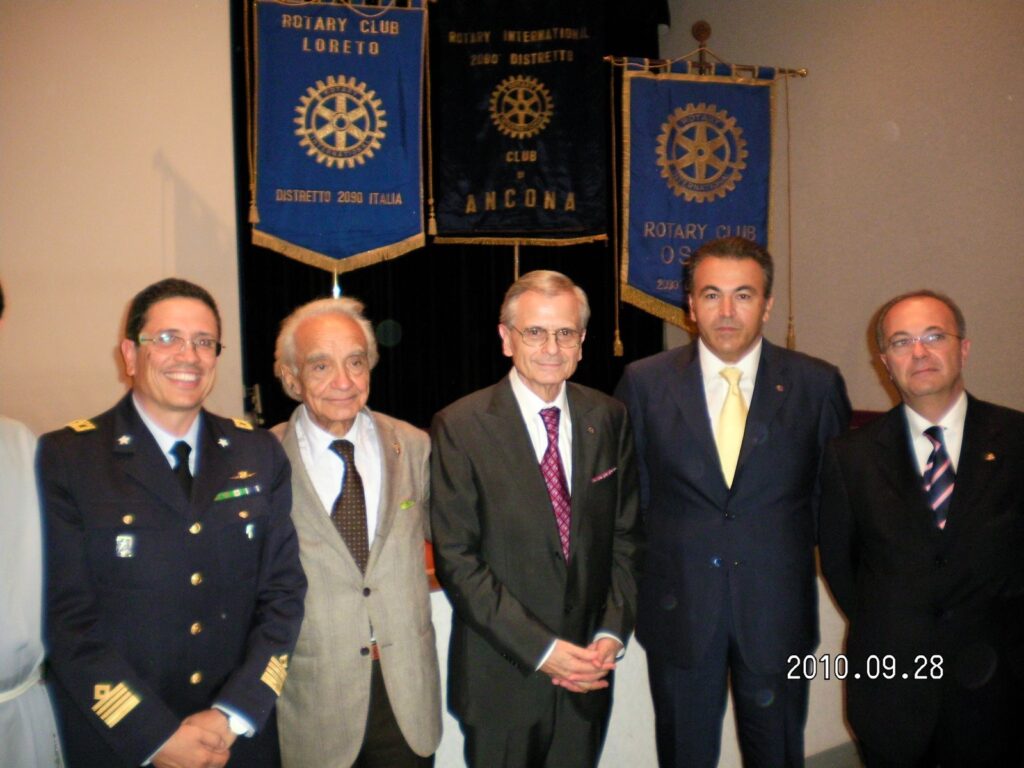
322,710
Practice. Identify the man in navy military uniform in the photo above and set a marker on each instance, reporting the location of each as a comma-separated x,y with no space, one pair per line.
175,591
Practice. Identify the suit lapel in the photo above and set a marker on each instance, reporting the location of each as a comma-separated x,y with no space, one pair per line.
143,460
687,391
981,453
507,436
586,438
390,454
215,467
771,388
896,464
306,506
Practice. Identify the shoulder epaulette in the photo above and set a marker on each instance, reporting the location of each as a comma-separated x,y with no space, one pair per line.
243,424
81,425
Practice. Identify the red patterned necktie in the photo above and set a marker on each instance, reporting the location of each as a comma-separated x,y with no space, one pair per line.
939,478
349,512
554,476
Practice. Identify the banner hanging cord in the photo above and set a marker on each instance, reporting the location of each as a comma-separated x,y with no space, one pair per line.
431,213
617,347
791,330
250,112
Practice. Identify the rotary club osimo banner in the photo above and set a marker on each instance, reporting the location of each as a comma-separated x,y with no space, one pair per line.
698,162
520,121
338,151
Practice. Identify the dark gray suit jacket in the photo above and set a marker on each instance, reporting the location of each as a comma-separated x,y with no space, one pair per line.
498,554
748,549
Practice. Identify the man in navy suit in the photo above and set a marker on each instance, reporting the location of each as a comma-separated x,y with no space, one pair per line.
730,432
922,530
174,587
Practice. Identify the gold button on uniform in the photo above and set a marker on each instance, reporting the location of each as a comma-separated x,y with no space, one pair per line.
128,519
244,514
196,678
195,528
197,579
196,628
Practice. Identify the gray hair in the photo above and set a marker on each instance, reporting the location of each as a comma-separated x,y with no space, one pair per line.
550,284
284,349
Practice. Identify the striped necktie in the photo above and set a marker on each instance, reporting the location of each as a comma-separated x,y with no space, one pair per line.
939,478
554,477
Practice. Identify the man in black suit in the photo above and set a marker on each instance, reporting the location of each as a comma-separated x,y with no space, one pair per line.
922,535
175,592
730,432
534,515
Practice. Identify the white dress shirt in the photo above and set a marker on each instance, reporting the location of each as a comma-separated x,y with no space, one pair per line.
952,432
326,470
530,406
715,385
166,440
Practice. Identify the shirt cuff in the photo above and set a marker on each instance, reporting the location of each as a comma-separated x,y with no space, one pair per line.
544,658
238,724
622,651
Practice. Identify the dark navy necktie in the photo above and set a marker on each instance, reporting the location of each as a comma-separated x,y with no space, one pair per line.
181,451
939,478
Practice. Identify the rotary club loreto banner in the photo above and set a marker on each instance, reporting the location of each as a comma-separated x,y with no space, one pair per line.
698,162
520,121
338,151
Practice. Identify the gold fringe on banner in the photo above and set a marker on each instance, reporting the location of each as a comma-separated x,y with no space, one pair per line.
521,240
317,259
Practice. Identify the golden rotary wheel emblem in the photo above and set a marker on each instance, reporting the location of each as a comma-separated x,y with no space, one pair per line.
701,152
521,107
340,122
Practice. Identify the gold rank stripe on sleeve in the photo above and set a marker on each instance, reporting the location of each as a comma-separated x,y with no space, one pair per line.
276,672
114,704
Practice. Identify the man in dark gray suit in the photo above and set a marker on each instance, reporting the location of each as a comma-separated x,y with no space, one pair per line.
730,431
922,530
534,514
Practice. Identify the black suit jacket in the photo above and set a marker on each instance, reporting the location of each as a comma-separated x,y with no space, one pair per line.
498,554
915,593
158,606
748,549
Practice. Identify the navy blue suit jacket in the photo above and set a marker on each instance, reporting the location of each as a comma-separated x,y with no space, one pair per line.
748,549
157,606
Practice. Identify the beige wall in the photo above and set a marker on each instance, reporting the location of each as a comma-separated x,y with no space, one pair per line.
116,169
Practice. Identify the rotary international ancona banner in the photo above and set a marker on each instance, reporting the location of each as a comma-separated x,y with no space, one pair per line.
338,150
520,121
698,161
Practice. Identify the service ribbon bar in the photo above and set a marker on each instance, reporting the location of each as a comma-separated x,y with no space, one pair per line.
519,121
698,162
338,132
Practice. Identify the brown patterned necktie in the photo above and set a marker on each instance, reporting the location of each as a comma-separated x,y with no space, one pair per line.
349,511
554,476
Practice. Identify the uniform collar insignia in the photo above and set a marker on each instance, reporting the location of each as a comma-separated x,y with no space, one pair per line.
223,442
124,440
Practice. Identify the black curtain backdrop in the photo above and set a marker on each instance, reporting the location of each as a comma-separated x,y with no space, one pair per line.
435,309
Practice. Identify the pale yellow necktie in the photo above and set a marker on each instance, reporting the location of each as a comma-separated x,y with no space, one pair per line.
730,424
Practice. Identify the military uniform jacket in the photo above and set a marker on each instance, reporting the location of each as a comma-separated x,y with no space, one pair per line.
157,605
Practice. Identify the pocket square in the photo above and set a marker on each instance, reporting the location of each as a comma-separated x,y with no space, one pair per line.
607,473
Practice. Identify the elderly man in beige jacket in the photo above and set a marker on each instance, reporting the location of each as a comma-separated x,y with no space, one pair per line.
363,685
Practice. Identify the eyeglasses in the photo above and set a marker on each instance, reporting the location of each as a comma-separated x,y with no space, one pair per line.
535,336
166,341
902,345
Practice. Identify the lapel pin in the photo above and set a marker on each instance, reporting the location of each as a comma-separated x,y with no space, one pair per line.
590,430
780,388
124,440
223,442
406,504
397,447
990,457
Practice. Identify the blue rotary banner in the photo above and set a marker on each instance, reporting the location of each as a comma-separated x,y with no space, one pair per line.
698,162
520,119
337,144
